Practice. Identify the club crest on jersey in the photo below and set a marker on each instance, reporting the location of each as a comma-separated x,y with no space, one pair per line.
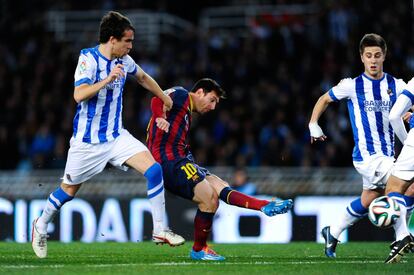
389,92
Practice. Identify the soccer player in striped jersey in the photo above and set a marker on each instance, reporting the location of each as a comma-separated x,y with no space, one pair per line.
370,97
167,141
400,185
98,134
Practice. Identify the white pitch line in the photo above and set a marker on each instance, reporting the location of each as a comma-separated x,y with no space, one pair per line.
193,263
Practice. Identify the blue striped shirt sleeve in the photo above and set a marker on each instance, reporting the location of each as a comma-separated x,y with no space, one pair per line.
331,94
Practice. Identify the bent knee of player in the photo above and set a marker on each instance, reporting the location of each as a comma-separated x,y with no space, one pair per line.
396,184
209,203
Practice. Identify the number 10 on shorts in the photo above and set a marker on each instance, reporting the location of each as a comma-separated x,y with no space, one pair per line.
189,170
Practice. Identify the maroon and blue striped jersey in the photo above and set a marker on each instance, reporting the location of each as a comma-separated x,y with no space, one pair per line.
172,145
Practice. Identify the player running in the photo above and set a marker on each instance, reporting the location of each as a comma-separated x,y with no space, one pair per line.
167,141
98,134
370,97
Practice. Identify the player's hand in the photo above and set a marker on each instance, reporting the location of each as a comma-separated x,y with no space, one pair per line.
168,103
406,117
316,132
163,124
116,73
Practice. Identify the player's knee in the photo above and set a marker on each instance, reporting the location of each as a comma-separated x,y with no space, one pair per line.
410,190
209,203
154,173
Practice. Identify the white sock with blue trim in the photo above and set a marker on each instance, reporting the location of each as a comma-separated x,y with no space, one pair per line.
52,207
354,212
400,226
155,193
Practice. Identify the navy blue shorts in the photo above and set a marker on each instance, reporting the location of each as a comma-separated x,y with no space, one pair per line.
181,176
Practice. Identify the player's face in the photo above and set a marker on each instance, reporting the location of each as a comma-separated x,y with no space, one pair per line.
373,59
123,46
206,102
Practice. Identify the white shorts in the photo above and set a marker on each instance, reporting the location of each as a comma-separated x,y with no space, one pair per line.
85,160
404,166
375,171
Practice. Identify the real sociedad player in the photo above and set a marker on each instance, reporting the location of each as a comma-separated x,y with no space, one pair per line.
98,134
370,97
167,140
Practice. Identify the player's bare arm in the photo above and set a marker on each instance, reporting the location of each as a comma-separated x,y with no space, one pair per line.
151,85
86,91
316,132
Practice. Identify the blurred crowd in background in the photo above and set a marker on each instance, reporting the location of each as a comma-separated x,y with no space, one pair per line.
273,77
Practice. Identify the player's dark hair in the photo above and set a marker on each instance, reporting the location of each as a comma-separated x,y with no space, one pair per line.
372,40
113,24
208,85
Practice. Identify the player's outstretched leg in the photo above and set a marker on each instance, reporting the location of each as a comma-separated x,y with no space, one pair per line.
277,207
398,249
39,241
270,208
330,242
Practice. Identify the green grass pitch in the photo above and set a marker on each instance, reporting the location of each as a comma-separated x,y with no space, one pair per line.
148,258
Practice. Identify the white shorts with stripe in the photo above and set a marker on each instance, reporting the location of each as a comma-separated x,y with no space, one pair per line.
85,160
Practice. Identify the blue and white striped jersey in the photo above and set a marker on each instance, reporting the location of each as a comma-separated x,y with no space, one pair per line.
99,119
369,104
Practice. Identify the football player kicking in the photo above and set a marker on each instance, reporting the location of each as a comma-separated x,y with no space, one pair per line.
400,184
369,97
167,135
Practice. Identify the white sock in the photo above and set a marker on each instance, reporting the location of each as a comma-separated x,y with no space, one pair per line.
52,207
347,221
48,214
400,227
158,211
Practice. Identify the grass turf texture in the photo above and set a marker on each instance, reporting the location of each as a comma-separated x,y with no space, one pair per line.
147,258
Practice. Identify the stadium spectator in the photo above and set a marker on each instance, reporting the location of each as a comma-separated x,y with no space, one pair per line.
167,140
241,182
98,134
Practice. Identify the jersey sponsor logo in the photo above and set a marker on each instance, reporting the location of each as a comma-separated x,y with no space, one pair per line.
377,105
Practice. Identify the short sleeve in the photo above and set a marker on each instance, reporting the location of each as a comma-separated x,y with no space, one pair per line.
344,89
130,66
400,86
178,94
85,70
